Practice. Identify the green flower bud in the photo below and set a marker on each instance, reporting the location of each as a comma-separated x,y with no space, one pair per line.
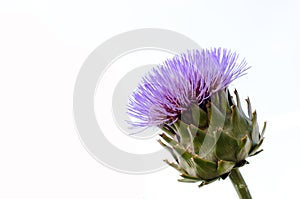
207,142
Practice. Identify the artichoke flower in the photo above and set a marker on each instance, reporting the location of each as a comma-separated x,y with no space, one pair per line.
204,127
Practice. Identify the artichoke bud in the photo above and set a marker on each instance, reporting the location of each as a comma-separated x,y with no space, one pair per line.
208,140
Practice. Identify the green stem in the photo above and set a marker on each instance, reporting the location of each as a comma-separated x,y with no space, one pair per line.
239,184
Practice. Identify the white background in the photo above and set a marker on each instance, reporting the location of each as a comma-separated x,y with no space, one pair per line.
43,45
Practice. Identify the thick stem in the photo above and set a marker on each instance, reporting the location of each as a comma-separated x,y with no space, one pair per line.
239,184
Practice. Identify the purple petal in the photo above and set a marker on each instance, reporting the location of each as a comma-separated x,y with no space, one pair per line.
171,87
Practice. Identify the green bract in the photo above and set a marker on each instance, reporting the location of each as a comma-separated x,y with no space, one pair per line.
207,142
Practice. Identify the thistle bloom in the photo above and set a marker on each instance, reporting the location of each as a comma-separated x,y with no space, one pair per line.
205,130
188,78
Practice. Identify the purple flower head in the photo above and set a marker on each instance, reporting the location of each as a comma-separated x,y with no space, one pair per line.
170,88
